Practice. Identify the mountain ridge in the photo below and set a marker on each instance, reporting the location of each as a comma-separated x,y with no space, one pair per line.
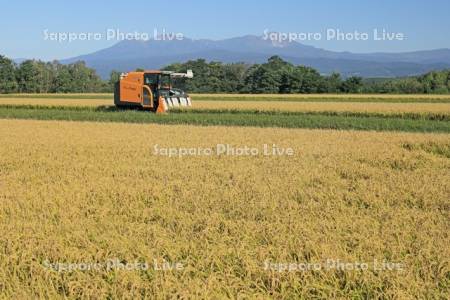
130,54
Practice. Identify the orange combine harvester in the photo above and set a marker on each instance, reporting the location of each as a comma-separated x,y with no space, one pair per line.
151,90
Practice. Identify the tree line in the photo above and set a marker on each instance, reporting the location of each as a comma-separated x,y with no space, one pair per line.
273,77
280,77
33,76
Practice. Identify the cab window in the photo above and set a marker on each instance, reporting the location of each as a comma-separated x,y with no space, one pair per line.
151,79
165,81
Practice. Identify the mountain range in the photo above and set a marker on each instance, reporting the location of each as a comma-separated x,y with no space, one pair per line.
153,54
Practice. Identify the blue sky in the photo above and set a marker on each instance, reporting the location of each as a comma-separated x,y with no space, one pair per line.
22,23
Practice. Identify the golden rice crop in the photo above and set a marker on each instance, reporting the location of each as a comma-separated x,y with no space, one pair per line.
51,95
56,102
371,107
325,96
90,192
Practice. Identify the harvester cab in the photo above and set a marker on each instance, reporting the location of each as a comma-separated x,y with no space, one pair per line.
151,90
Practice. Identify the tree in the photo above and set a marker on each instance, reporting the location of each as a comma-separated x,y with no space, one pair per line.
62,82
332,83
233,77
352,84
114,77
29,77
8,82
407,86
311,79
271,77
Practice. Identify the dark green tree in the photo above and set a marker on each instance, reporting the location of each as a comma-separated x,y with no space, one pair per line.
30,77
8,82
352,85
333,83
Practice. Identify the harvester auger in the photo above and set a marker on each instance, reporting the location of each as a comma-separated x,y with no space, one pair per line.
151,90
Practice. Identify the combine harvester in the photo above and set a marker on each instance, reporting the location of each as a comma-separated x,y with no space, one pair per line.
151,90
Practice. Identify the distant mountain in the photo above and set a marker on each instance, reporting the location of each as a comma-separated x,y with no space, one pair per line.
129,55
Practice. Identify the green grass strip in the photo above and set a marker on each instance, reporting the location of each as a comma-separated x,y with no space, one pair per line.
407,115
109,108
341,121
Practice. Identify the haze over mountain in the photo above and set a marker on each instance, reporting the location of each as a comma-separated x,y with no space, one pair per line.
131,54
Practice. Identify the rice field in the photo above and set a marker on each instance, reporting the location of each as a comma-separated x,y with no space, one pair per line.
101,203
365,98
294,106
387,98
61,101
381,114
373,107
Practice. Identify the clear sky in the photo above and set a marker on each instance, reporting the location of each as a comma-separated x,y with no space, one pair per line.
425,24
